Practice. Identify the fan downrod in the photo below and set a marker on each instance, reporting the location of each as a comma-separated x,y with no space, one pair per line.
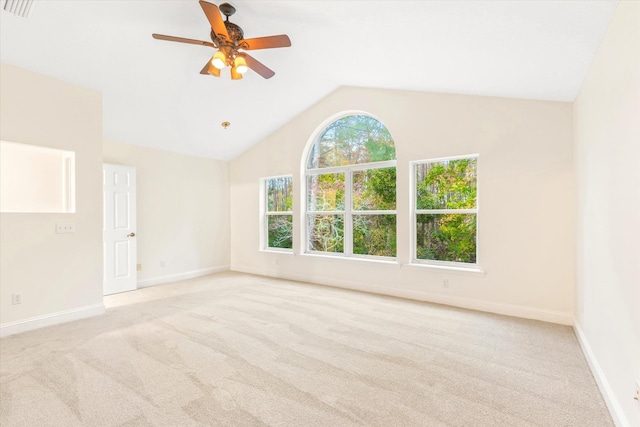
227,10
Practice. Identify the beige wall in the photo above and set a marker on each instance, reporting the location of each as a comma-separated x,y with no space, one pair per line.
526,193
607,146
183,211
54,272
183,208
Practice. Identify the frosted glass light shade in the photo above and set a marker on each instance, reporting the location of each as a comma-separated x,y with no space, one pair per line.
235,75
241,65
219,60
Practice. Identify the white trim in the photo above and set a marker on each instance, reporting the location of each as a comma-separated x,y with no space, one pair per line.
348,212
38,322
338,212
303,173
373,212
446,264
414,212
353,167
449,267
366,258
444,159
559,317
347,226
277,251
276,213
265,212
286,175
445,211
610,399
181,276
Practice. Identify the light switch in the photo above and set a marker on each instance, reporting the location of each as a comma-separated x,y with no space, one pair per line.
65,228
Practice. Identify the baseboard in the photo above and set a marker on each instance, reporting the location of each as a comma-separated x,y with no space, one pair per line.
610,399
181,276
38,322
486,306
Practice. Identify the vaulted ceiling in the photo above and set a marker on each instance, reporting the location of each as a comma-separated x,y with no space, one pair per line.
154,95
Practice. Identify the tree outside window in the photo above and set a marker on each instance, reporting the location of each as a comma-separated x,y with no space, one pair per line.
279,212
446,210
351,189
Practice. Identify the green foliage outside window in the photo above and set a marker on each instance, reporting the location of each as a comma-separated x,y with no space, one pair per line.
280,231
328,233
374,235
446,185
352,140
279,193
325,192
374,189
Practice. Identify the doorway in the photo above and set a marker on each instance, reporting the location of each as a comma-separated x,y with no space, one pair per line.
119,228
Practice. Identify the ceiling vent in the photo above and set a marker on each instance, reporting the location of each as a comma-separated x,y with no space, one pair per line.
18,7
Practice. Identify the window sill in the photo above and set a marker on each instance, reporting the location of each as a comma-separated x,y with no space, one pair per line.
277,251
389,261
476,270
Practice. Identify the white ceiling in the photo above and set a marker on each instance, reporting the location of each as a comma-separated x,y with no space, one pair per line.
154,95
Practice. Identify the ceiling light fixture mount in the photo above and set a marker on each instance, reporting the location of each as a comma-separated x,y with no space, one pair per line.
228,39
225,124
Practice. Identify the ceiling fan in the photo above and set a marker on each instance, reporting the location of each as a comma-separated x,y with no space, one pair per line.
228,38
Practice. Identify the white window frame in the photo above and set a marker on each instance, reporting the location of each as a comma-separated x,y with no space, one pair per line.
265,213
348,212
415,212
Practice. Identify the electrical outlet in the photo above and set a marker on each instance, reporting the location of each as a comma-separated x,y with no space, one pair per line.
65,228
16,299
445,283
138,267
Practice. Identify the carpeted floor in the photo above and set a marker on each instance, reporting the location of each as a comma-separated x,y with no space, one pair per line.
240,350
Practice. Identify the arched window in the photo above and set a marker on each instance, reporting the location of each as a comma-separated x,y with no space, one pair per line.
350,186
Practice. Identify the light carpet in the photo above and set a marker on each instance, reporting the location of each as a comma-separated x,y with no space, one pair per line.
240,350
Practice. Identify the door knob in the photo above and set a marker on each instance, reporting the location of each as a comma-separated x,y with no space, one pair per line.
131,235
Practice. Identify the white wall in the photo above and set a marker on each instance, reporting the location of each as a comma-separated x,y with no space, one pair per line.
607,146
526,187
183,212
55,273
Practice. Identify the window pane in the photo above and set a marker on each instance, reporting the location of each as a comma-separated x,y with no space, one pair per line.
279,194
325,192
446,237
352,140
374,189
326,233
280,229
450,184
374,235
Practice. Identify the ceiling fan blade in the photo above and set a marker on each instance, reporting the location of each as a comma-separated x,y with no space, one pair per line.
266,42
182,40
257,66
215,19
210,69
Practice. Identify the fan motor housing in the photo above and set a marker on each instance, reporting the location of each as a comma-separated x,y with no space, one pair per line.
234,31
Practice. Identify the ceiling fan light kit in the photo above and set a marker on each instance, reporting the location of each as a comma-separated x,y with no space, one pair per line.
241,64
219,60
228,39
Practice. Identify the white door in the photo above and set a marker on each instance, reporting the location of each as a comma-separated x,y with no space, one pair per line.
119,228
